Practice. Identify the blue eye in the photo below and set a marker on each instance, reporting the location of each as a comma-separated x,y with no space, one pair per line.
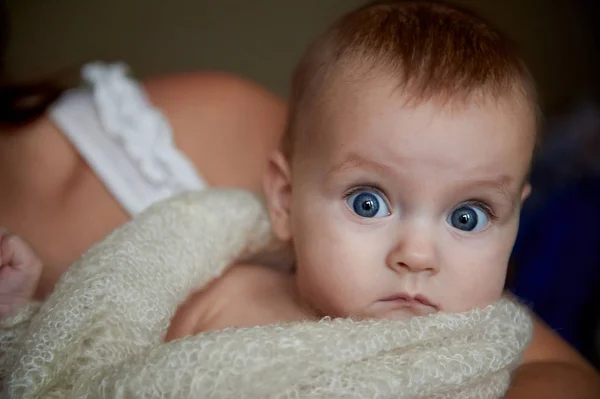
468,218
368,204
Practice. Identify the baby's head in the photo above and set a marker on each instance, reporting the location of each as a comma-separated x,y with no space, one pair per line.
404,166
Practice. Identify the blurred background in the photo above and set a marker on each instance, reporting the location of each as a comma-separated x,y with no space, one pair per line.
556,262
262,39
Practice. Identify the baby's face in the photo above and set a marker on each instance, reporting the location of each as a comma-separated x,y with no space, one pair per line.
408,211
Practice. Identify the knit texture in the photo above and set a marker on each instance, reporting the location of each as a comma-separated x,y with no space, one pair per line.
100,334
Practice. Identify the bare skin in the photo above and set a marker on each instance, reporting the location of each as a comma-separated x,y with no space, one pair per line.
52,199
245,296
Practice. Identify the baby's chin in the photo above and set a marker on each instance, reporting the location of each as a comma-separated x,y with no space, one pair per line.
392,311
404,313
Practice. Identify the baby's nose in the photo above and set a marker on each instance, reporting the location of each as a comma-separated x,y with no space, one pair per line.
414,253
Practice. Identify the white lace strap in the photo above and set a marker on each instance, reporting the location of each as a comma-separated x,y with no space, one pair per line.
125,139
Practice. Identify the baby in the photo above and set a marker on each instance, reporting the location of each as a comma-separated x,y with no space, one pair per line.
400,179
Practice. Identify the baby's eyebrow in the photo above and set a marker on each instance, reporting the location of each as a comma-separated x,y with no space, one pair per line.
356,161
502,184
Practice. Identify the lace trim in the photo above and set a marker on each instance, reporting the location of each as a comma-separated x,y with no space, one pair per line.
142,130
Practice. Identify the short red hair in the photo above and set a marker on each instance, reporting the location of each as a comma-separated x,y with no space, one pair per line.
435,51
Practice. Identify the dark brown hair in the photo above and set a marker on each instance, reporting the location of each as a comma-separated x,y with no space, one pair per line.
21,103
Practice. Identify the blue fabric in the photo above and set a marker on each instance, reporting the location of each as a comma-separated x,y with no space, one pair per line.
557,255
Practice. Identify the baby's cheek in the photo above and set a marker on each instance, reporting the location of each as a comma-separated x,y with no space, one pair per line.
484,292
466,291
488,295
327,280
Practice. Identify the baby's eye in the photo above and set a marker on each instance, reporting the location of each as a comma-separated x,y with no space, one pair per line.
468,218
368,204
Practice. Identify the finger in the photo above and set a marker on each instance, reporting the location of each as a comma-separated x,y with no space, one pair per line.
18,253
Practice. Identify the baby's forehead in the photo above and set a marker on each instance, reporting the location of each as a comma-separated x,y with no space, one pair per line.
378,112
373,100
492,133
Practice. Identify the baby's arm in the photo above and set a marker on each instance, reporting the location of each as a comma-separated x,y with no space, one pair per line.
245,296
20,270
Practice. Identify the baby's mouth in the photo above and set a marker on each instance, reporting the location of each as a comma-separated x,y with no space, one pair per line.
411,301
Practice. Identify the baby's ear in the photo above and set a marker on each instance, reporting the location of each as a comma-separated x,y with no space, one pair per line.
278,192
525,192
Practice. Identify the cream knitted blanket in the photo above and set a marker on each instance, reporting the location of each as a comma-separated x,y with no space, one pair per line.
99,335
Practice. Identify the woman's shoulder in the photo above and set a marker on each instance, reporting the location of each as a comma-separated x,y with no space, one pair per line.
225,124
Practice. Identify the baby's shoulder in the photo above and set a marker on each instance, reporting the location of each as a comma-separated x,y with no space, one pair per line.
229,298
